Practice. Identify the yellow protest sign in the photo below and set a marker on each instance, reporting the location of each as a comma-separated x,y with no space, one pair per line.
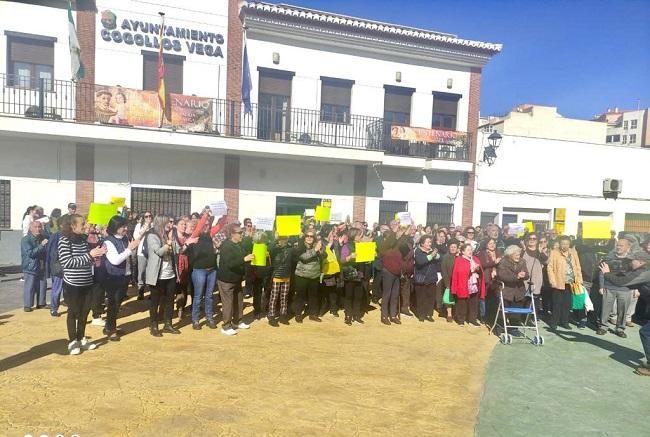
596,229
330,265
118,201
259,251
326,203
288,225
101,213
560,214
530,227
322,214
559,228
366,251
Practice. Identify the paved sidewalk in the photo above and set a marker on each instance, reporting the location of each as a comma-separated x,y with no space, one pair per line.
577,384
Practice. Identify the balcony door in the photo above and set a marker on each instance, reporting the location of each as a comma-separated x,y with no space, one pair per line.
274,105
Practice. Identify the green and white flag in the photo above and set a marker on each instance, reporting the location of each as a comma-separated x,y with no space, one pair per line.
78,71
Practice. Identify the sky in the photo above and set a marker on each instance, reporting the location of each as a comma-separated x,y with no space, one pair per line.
581,56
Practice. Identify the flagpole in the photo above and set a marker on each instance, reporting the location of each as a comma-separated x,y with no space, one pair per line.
162,91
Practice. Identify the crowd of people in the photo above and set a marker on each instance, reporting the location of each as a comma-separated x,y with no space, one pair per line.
418,271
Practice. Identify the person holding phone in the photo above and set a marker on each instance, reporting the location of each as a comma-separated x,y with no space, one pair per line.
77,261
118,270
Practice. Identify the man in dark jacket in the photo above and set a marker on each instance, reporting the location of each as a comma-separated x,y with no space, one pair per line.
232,261
32,251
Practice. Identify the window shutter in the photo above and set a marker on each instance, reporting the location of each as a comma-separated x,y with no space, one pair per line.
32,51
173,73
275,85
336,92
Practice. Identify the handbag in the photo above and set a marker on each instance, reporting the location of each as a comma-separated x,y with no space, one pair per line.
447,298
578,301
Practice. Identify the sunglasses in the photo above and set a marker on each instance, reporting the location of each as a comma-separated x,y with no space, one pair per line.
533,238
147,216
470,232
309,236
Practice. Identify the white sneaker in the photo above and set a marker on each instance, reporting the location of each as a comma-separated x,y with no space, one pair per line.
98,322
87,345
228,332
243,325
74,348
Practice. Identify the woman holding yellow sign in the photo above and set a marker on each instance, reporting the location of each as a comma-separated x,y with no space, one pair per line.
309,254
353,275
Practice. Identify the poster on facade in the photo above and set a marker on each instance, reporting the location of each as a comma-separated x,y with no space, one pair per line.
131,107
436,136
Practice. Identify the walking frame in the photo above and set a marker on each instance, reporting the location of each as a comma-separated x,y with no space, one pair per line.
506,337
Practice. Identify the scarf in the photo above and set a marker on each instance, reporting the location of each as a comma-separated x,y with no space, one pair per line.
472,283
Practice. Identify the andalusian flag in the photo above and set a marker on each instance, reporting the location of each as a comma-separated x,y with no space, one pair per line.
162,92
78,71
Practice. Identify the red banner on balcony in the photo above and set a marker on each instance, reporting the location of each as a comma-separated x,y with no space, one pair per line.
435,136
131,107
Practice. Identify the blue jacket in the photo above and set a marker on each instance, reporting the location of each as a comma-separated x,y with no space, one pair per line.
32,254
52,253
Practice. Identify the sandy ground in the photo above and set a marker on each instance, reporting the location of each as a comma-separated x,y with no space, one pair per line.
309,379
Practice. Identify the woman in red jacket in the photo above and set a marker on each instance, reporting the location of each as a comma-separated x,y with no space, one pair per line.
468,286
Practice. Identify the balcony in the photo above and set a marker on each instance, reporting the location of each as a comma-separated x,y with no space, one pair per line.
72,102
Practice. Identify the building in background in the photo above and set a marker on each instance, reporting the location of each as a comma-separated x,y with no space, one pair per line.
546,163
627,128
378,117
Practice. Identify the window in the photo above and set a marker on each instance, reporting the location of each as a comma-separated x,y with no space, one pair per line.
633,124
335,100
488,217
30,58
440,213
397,105
632,138
445,109
625,124
616,138
609,139
294,205
173,72
274,103
5,204
624,140
508,218
388,209
174,203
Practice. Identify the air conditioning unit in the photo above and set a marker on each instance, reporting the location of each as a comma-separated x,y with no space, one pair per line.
612,188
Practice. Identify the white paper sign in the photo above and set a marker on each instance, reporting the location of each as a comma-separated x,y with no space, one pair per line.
44,220
336,217
264,223
310,212
219,208
516,229
404,218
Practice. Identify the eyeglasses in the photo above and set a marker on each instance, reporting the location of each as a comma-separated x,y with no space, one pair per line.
238,232
147,216
470,232
309,236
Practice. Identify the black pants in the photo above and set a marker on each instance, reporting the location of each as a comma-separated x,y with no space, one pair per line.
561,306
115,294
425,297
98,298
78,300
162,300
376,284
261,294
329,298
491,305
467,308
306,290
354,298
547,299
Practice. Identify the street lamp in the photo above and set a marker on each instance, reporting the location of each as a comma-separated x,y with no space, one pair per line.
490,152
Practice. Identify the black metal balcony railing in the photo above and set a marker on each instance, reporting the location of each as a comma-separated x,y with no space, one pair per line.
74,102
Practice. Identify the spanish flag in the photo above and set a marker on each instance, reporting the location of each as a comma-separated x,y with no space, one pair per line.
162,92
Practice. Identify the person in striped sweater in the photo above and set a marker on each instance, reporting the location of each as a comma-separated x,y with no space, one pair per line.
77,262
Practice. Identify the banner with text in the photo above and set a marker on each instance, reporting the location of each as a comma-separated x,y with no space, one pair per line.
131,107
436,136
